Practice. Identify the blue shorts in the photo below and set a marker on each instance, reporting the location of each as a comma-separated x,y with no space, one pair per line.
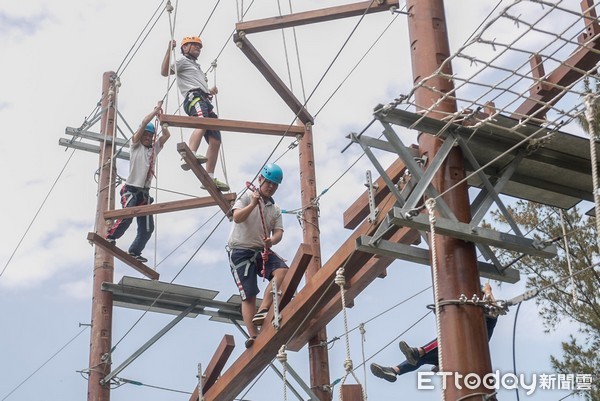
246,266
197,104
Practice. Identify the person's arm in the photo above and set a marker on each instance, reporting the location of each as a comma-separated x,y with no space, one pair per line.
156,112
240,215
165,68
274,239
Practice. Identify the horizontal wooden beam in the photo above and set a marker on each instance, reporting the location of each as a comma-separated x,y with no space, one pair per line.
166,207
297,107
314,16
249,127
123,256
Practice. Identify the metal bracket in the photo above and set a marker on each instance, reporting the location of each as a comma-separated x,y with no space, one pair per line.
371,187
276,315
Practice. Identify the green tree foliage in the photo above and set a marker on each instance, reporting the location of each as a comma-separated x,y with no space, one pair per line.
556,303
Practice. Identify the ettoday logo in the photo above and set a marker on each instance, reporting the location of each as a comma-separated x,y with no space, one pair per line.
509,381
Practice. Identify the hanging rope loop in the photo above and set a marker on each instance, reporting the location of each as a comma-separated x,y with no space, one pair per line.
339,278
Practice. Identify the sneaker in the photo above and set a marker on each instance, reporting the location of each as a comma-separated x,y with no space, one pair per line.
259,318
411,353
200,158
221,186
138,257
250,341
383,372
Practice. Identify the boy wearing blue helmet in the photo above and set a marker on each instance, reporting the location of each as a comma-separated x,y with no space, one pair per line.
136,190
257,226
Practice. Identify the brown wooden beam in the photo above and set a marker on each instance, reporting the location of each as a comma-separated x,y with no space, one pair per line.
216,364
268,342
166,207
231,125
241,40
311,17
352,392
123,256
584,59
294,275
204,178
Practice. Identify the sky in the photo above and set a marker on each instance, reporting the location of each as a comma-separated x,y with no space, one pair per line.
54,56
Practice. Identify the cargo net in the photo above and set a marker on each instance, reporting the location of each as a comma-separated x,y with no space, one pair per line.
528,61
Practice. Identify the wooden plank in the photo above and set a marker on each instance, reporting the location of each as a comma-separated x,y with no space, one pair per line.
166,207
272,78
314,16
216,364
352,392
205,179
123,256
232,125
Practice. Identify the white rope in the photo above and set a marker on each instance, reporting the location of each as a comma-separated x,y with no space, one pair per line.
430,205
282,357
589,115
363,339
285,50
568,253
340,280
172,58
213,66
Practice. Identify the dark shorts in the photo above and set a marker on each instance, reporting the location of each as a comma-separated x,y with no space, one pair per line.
197,104
246,266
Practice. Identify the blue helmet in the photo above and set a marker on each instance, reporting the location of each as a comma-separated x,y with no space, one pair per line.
150,128
273,173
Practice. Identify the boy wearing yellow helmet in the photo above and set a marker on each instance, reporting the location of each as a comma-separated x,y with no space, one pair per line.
193,85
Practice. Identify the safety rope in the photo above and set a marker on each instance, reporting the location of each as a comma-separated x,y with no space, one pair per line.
589,116
265,252
172,58
213,66
282,357
340,280
363,339
430,204
568,254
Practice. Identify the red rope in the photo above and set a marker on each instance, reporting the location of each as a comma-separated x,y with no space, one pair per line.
265,252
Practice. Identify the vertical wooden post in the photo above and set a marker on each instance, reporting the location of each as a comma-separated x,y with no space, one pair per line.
463,333
352,392
102,302
318,355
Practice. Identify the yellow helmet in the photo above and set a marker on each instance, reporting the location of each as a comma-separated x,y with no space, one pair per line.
191,39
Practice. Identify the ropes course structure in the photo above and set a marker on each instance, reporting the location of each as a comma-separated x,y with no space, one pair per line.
501,91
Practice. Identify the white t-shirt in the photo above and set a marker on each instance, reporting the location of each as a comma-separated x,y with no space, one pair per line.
249,234
139,164
190,75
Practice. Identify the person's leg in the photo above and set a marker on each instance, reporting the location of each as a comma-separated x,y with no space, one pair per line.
243,269
248,311
128,199
267,300
195,139
145,228
212,153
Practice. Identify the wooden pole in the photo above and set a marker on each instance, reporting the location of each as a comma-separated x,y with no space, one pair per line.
317,353
463,332
102,303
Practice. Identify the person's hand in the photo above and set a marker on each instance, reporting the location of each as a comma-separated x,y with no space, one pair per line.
213,90
158,109
268,242
487,290
254,198
173,44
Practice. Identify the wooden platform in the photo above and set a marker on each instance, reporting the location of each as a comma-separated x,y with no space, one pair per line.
123,256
